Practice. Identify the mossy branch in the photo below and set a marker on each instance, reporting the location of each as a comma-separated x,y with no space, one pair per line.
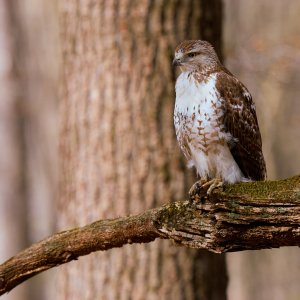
244,216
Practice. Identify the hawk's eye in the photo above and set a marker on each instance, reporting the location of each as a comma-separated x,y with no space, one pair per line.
192,54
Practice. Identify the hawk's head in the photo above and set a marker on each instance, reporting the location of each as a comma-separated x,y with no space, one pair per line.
195,55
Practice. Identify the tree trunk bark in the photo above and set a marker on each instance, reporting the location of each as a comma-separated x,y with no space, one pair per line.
118,142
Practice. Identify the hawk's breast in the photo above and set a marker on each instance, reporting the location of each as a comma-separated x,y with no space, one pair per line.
199,111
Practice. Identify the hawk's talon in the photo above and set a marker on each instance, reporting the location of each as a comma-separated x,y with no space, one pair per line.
204,186
213,184
196,189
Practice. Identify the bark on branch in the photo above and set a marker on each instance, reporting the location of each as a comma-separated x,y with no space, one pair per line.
243,216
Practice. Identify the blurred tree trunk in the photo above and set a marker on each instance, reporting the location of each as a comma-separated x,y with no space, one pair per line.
263,50
119,154
28,107
13,221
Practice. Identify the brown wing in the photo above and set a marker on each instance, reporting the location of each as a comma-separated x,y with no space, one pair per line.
241,122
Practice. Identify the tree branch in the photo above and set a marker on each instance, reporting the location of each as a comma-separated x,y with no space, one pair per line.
244,216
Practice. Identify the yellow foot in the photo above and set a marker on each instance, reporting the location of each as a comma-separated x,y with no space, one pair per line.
212,184
204,185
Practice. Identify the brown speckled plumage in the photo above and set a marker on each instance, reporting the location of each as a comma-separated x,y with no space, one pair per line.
215,118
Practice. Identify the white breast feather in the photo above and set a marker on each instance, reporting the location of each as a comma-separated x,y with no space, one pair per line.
212,159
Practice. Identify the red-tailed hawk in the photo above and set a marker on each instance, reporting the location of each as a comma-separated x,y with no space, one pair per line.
215,119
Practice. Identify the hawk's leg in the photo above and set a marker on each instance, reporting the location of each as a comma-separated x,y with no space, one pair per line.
204,185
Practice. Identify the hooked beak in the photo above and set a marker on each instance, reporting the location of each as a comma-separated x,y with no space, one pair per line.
176,62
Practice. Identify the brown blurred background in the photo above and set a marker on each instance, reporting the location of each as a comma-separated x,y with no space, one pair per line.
261,45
